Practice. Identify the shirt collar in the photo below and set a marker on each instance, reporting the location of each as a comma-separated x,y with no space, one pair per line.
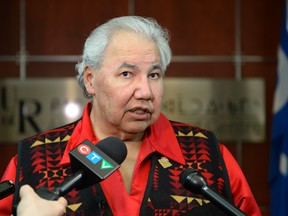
163,139
82,131
161,136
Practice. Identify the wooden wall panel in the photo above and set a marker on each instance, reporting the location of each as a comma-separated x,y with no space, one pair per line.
9,69
9,24
261,21
201,69
197,27
61,27
48,69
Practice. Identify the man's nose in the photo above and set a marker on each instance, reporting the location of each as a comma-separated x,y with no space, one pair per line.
143,89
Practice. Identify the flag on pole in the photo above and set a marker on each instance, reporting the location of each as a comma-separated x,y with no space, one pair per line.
278,170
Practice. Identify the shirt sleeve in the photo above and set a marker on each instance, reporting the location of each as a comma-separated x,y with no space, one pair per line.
9,174
241,192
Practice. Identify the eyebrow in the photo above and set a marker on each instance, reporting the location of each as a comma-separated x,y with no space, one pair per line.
156,67
131,66
127,65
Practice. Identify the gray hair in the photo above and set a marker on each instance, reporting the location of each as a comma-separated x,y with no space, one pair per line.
98,40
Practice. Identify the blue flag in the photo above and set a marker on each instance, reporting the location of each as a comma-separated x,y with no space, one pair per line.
278,173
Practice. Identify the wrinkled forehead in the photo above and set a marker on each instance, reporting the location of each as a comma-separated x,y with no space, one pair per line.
129,36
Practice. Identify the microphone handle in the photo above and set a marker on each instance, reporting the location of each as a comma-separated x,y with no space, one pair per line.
69,183
221,202
62,189
47,194
6,188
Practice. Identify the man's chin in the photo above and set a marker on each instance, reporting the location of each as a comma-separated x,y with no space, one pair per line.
139,127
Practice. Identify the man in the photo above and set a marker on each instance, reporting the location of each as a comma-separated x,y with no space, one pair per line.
122,70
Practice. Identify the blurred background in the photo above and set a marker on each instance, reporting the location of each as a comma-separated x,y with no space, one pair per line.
214,39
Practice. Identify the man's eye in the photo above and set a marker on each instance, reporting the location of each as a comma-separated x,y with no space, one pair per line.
154,75
126,74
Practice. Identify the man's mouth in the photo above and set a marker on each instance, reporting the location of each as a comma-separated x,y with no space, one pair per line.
140,113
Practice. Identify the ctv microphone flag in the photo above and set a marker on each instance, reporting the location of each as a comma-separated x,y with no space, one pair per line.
96,163
90,164
278,170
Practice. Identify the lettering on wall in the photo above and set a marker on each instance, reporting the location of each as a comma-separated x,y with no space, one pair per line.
234,110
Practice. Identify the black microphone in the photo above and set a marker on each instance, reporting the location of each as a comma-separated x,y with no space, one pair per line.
195,183
90,164
6,188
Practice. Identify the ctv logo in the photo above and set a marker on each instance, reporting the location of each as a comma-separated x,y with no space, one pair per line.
93,156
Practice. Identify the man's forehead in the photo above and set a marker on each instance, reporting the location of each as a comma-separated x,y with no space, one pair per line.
155,66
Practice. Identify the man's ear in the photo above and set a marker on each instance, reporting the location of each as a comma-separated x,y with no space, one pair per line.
88,80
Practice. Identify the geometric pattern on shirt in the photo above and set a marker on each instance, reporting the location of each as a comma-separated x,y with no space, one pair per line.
180,199
197,153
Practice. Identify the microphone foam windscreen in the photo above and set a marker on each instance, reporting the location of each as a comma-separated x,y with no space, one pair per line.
114,148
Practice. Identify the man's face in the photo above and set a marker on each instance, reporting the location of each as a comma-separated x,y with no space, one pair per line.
129,85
